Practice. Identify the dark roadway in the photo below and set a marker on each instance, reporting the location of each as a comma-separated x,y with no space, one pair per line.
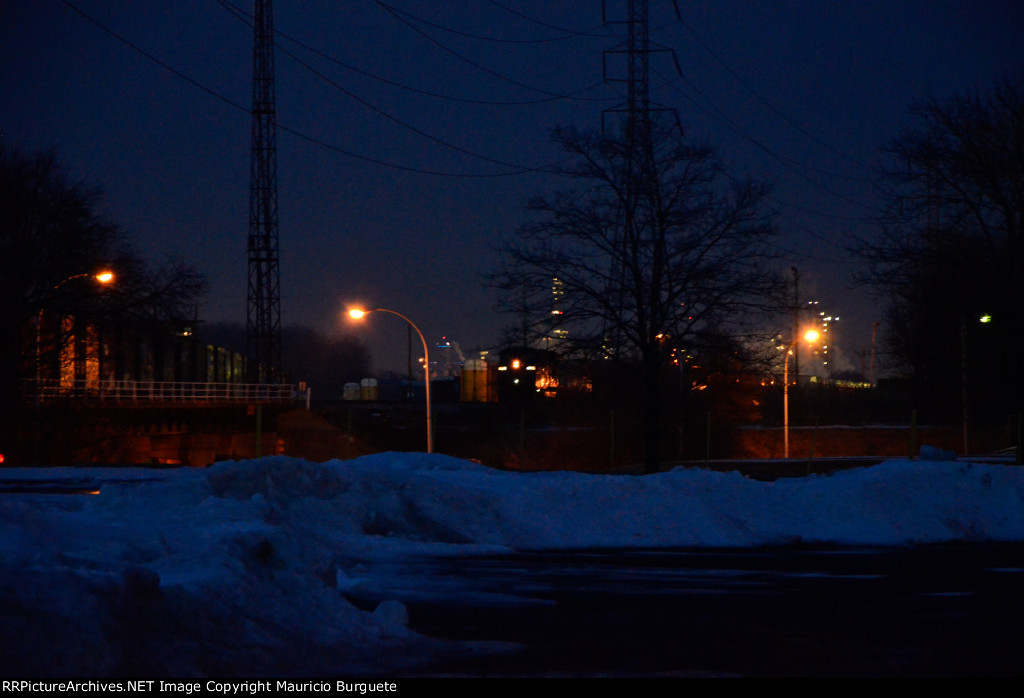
951,610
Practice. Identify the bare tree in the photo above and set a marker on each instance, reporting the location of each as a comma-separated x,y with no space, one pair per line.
648,251
950,250
51,239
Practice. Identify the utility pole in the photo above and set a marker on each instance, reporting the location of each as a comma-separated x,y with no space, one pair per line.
796,322
263,327
874,333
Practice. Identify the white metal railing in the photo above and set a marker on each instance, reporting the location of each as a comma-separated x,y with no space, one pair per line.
128,391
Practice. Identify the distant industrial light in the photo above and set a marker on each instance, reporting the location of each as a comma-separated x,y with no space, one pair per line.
985,319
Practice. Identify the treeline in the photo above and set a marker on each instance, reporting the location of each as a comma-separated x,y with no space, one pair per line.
324,363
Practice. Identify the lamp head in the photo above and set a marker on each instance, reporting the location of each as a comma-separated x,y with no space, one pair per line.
811,336
356,313
105,277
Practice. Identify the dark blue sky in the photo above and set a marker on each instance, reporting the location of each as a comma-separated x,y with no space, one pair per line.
801,93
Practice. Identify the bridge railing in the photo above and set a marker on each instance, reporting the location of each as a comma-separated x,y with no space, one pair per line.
131,391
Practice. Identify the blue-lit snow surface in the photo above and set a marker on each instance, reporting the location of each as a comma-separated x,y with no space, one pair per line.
248,567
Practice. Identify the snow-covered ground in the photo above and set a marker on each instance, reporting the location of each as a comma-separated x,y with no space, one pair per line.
247,568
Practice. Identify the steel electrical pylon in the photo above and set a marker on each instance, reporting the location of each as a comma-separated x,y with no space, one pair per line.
635,131
638,105
636,125
263,327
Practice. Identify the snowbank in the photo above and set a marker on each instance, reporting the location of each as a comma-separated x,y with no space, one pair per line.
247,567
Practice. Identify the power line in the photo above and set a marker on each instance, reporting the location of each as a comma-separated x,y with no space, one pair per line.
788,162
245,17
572,32
388,115
410,127
568,33
294,132
816,235
722,118
398,15
796,224
819,214
138,49
765,102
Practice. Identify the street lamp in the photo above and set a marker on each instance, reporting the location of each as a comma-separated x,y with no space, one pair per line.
810,336
359,313
104,277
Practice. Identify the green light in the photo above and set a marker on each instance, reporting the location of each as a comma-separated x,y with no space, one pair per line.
985,319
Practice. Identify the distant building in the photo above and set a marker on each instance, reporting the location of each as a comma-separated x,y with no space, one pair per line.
84,356
821,363
557,336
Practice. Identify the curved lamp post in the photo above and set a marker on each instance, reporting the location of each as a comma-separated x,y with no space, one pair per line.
810,336
103,277
359,313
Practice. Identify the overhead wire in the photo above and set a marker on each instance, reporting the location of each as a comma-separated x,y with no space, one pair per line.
283,127
574,96
519,169
746,85
816,235
791,164
796,224
588,32
569,34
246,16
516,169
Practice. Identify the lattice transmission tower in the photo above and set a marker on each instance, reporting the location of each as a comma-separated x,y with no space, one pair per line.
632,124
263,327
637,51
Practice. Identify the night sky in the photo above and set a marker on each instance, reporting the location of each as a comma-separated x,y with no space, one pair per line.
408,146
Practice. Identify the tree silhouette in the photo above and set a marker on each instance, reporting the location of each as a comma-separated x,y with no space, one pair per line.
951,251
650,248
325,363
52,238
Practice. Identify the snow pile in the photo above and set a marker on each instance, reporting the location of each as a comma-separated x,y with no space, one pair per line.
248,568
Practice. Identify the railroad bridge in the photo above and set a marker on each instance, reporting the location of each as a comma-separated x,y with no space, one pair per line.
161,423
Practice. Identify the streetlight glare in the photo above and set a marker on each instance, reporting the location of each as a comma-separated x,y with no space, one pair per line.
810,336
358,313
104,277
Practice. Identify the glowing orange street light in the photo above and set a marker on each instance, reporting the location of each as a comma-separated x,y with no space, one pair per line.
359,313
810,336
